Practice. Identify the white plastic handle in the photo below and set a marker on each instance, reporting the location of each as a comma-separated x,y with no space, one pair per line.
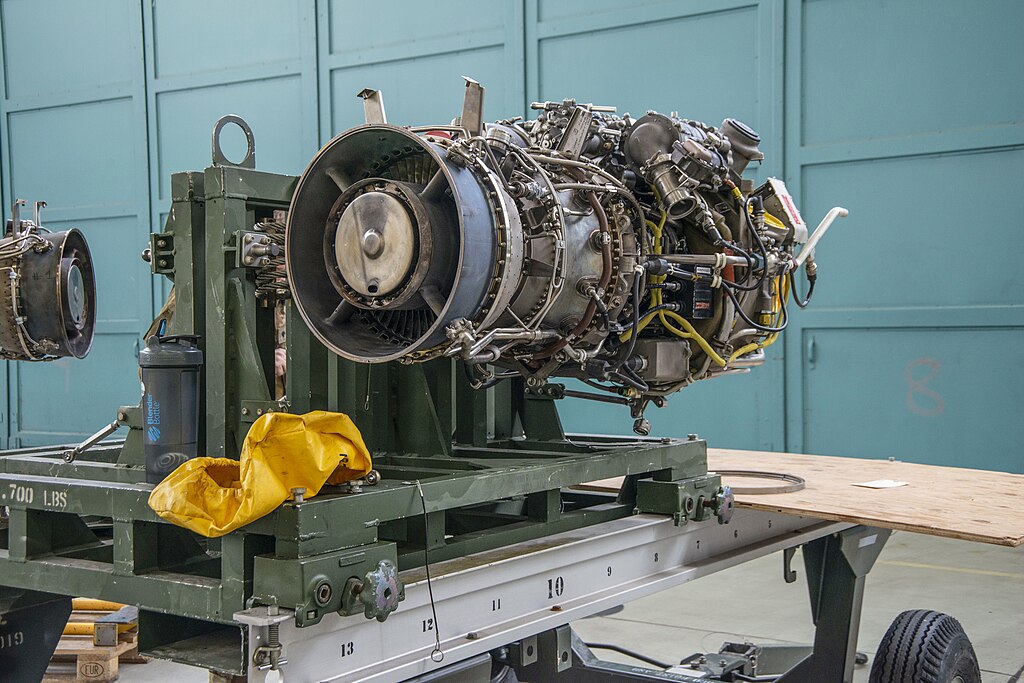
819,232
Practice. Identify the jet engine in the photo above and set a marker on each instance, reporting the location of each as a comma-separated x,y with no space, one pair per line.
628,253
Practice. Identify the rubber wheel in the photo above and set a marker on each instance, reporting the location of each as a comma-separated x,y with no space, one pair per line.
923,646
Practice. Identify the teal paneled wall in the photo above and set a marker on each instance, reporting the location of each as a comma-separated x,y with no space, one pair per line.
73,118
905,112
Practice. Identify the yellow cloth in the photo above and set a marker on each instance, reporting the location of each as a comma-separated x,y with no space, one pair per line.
214,496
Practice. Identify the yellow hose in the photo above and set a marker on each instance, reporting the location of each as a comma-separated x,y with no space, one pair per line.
90,605
88,628
777,299
663,316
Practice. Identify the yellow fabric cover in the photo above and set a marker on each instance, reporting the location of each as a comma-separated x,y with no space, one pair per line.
214,496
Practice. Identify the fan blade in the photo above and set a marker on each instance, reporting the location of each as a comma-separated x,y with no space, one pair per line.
342,313
339,180
438,184
433,298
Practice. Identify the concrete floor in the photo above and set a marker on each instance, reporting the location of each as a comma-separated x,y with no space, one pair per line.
982,586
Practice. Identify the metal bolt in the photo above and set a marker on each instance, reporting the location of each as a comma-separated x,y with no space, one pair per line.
642,426
121,416
161,243
259,411
692,437
373,243
273,610
162,262
298,494
323,593
245,411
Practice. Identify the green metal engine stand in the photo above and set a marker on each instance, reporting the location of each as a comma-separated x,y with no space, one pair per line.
492,465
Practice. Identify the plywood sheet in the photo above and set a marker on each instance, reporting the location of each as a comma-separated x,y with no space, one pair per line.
972,505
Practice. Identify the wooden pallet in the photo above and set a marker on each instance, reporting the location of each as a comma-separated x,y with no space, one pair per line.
95,643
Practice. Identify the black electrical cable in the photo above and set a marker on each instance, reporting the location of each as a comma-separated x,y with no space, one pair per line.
760,247
640,385
629,653
602,310
631,344
592,383
660,307
727,288
655,309
638,381
810,290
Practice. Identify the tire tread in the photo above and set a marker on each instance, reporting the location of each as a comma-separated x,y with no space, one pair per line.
915,646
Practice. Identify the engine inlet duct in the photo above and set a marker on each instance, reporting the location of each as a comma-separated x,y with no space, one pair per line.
47,291
630,254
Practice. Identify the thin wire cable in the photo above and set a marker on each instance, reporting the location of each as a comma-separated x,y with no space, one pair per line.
763,328
436,655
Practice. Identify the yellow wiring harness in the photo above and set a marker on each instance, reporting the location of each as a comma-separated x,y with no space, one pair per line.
780,291
688,331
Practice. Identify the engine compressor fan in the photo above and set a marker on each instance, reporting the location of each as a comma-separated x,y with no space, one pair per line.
390,241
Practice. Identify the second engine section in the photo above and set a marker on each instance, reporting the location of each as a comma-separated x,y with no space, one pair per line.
630,254
47,291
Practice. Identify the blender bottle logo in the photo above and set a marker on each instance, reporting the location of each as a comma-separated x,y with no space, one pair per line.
152,418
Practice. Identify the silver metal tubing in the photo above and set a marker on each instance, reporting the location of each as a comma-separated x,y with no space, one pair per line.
819,232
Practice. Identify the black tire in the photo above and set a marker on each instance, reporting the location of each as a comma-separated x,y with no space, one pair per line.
923,646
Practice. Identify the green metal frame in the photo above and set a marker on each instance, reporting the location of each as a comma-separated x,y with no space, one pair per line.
493,465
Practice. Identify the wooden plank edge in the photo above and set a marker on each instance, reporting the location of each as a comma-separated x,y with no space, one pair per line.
1005,541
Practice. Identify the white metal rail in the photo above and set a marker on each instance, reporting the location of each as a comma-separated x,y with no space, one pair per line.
494,598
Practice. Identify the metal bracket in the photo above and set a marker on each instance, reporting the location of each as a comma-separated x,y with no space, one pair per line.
787,564
16,216
249,160
373,106
255,249
836,567
472,118
694,498
577,131
270,618
160,253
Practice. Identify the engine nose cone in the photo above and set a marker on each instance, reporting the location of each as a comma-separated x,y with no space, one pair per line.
375,244
76,296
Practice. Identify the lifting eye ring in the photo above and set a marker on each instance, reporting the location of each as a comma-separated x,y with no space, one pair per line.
219,159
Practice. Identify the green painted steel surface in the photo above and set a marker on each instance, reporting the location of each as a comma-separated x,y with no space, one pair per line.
908,113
